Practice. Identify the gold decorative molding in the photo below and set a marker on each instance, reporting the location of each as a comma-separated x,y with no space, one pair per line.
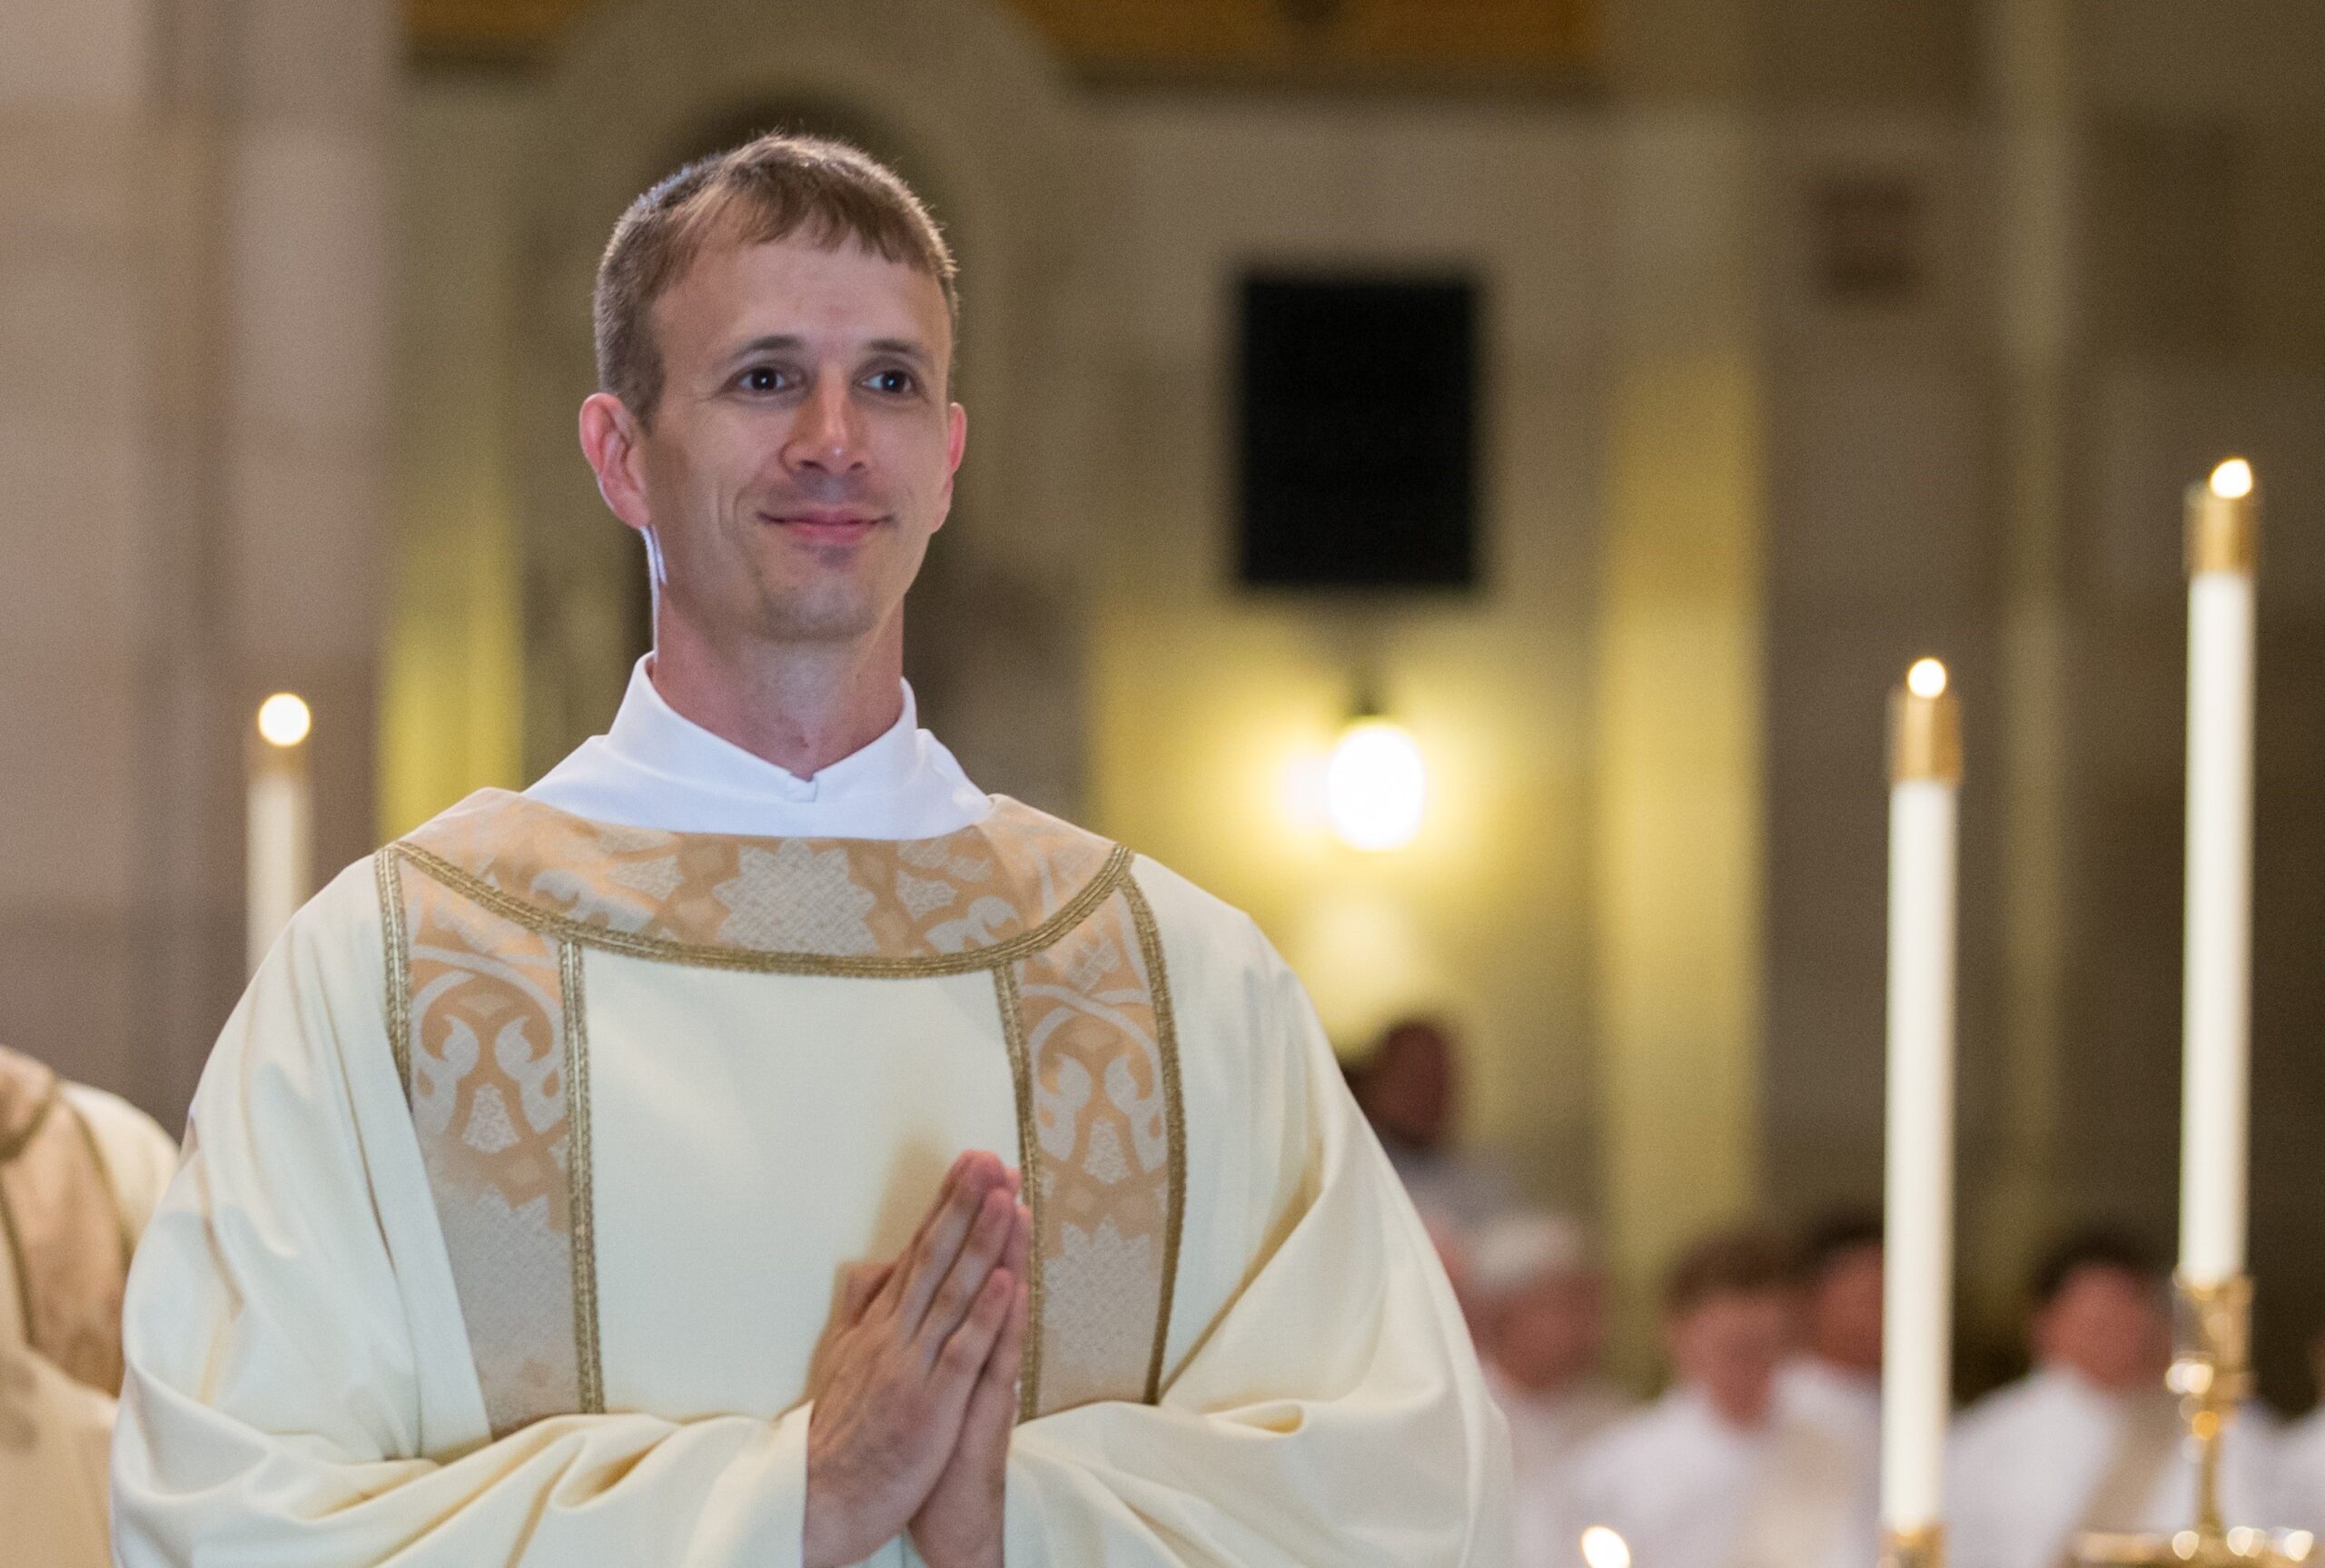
1270,43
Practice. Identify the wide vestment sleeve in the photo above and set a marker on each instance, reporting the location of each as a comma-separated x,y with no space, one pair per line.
1328,1408
299,1391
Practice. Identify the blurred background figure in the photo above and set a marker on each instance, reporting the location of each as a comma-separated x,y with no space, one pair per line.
2089,1439
1409,1087
1835,1380
1718,1472
1539,1315
2301,1458
80,1173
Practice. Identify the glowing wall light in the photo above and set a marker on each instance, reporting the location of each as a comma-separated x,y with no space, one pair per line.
1375,786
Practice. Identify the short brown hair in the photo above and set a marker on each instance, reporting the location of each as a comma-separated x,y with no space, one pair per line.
763,191
1744,1261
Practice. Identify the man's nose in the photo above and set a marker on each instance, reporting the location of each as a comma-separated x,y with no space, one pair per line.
827,435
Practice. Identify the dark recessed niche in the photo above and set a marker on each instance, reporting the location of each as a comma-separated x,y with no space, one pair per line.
1357,426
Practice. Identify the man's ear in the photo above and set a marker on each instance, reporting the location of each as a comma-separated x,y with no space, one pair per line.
956,442
612,439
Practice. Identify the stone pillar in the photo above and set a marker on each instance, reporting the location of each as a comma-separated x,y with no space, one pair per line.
1678,935
2032,75
194,423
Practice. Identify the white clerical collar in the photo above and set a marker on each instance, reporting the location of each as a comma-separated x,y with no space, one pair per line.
654,768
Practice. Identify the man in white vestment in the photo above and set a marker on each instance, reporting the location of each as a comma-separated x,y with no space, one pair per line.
755,1145
1717,1473
1540,1319
2089,1439
80,1171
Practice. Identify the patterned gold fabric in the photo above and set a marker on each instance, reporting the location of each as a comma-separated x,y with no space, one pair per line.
864,906
491,908
63,1225
491,1091
1105,1107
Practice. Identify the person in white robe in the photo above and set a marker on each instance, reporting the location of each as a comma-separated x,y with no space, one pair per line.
2301,1459
755,1144
2089,1440
1833,1379
1717,1472
1409,1087
1541,1321
80,1173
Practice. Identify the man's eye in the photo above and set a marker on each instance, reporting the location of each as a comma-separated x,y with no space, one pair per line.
894,381
761,378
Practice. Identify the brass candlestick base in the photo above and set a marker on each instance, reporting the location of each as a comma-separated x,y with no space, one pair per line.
2213,1374
1919,1548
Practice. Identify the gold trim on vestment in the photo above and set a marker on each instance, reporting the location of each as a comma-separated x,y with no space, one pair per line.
1029,1172
582,1213
705,956
17,1261
14,1145
9,1151
559,918
104,1179
399,981
1166,1041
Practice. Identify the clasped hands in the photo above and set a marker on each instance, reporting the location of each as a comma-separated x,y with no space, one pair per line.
915,1389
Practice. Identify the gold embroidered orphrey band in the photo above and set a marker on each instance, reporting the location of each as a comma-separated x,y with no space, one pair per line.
67,1245
489,910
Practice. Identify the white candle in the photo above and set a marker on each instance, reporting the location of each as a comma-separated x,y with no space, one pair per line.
1926,771
279,832
2216,1000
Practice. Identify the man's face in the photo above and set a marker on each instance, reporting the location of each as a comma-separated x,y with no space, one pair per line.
2107,1324
1546,1333
1729,1346
803,449
1409,1090
1845,1310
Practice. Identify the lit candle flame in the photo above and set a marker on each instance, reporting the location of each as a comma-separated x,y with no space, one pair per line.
283,720
2233,480
1926,678
1602,1548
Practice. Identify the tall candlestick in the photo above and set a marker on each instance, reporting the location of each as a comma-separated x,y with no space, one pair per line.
279,829
1925,774
2222,515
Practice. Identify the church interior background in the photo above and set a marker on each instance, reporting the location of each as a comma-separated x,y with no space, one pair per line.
1812,336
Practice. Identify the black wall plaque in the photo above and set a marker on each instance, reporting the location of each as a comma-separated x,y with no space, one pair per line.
1358,433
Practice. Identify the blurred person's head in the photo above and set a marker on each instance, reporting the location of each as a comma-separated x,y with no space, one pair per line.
774,331
1408,1086
1540,1314
2099,1311
1840,1291
1728,1320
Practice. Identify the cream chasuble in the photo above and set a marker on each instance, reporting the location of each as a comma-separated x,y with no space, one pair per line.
79,1172
523,1175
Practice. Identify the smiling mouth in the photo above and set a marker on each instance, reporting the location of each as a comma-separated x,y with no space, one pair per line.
825,527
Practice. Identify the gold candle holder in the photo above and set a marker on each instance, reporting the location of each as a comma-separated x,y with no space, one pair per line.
2212,1372
1923,1546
